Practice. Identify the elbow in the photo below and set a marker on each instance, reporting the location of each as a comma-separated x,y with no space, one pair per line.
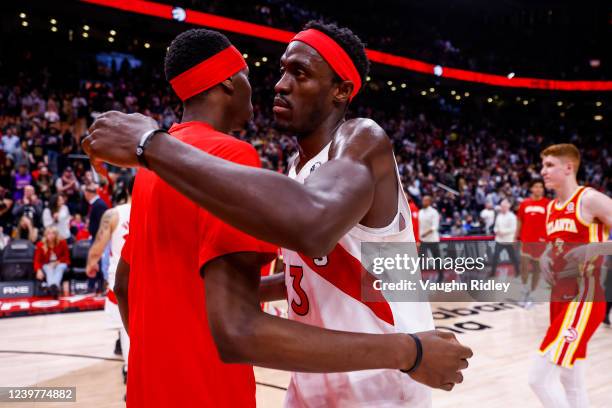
234,340
314,246
121,290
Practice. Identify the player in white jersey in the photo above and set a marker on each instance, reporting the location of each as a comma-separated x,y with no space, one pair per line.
346,191
114,227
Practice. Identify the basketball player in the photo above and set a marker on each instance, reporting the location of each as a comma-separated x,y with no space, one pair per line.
343,189
579,215
114,227
353,192
531,233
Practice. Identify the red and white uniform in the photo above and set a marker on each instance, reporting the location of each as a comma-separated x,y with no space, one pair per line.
326,292
532,214
576,307
116,244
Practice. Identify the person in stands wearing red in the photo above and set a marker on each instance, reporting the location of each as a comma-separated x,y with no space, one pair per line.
51,259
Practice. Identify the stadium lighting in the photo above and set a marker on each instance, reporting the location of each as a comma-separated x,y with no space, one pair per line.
245,55
560,103
525,102
453,92
54,29
113,32
85,35
598,118
423,93
403,85
22,15
86,27
511,75
490,100
257,63
53,21
194,17
432,90
458,97
598,103
111,39
368,79
562,114
389,83
393,88
466,94
147,45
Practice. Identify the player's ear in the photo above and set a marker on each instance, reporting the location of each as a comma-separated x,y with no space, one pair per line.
228,85
343,91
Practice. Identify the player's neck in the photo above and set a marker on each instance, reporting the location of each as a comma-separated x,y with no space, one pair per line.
565,191
313,142
213,114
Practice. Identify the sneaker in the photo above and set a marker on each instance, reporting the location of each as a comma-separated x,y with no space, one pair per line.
54,291
606,321
124,372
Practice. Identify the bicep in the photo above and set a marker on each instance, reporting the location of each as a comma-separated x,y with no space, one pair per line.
343,190
231,284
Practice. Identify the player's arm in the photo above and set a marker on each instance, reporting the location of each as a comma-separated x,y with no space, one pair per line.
309,218
272,288
244,334
597,206
108,223
122,280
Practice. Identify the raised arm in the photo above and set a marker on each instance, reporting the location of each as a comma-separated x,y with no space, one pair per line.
309,218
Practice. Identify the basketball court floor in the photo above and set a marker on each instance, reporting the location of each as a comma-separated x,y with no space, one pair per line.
76,349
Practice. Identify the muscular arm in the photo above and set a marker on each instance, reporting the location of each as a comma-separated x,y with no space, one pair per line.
245,334
108,223
308,218
272,288
122,280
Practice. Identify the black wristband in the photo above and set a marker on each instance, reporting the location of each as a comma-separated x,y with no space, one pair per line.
142,145
419,354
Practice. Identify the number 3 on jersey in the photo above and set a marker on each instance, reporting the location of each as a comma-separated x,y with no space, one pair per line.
301,307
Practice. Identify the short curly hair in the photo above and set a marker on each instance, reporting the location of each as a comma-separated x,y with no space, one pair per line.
349,42
190,48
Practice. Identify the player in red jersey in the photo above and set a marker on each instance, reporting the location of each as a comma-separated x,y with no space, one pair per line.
578,216
531,233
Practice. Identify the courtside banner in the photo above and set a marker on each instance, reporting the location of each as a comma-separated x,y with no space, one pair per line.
485,271
32,306
16,289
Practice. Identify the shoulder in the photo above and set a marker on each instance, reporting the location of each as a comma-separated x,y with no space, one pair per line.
592,198
363,131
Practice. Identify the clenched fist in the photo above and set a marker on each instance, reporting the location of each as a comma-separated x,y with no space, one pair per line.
113,138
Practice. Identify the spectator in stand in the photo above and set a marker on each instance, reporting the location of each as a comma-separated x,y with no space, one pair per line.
30,206
21,156
21,179
51,259
505,232
97,207
25,230
6,214
57,215
10,141
69,186
44,183
79,228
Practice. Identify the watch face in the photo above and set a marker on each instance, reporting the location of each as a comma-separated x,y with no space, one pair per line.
139,151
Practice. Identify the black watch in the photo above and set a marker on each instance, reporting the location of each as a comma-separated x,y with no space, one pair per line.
145,139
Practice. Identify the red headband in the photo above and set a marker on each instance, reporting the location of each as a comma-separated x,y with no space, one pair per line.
333,53
208,73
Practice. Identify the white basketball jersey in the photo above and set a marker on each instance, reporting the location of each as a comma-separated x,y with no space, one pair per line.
117,240
325,292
